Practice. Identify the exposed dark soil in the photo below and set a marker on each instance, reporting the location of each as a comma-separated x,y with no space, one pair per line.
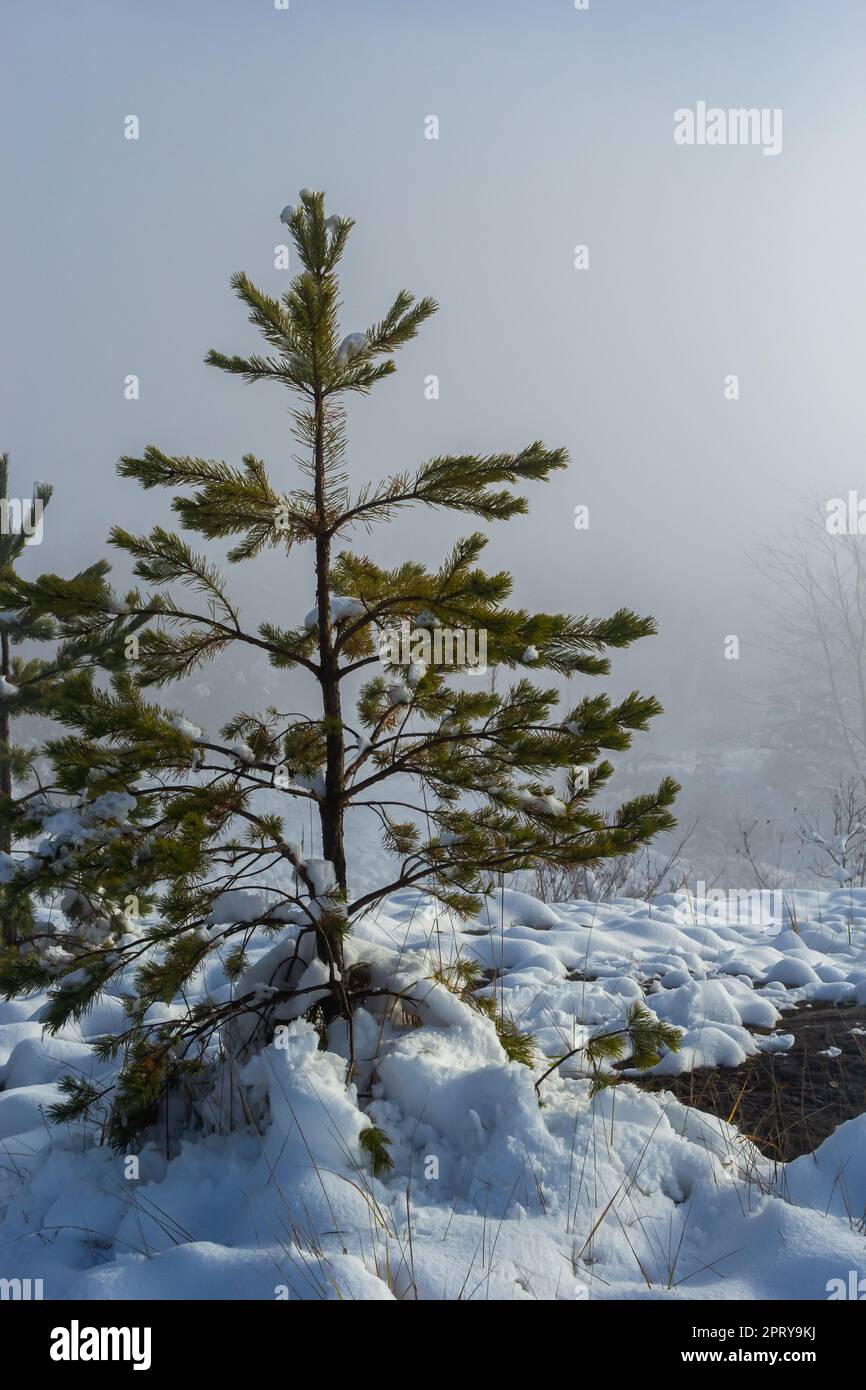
787,1102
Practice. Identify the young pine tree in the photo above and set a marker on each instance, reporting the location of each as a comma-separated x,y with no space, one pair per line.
178,851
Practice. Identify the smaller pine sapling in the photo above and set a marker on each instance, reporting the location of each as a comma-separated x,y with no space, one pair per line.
35,686
26,685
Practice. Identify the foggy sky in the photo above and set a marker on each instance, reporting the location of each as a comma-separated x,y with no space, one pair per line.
555,130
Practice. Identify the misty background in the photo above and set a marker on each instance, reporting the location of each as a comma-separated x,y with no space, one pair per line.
555,130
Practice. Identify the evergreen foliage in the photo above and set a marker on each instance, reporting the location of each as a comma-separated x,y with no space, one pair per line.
645,1037
27,684
158,831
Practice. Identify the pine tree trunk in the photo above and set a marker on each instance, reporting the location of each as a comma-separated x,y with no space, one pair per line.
331,805
8,926
5,739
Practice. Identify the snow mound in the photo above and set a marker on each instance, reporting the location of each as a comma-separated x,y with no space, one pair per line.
491,1194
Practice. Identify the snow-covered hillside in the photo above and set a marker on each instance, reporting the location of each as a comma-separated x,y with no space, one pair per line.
492,1195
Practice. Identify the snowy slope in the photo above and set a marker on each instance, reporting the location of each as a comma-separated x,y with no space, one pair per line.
492,1195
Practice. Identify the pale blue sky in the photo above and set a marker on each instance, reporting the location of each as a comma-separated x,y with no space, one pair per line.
556,129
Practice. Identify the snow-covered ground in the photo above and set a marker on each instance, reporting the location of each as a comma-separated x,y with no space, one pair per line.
492,1195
